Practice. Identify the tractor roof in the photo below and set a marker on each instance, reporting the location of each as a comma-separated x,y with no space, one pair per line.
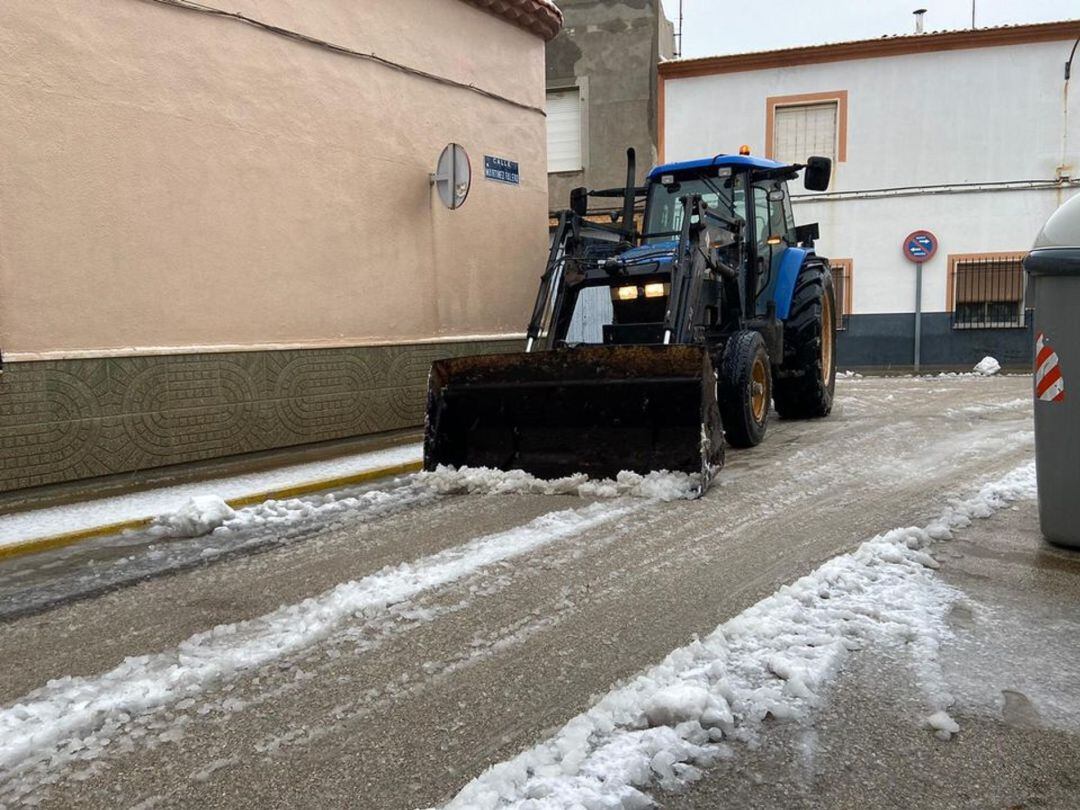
719,160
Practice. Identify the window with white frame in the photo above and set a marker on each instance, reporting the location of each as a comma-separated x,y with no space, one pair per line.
801,130
564,130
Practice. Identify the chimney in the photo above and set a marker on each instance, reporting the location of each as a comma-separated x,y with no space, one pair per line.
919,12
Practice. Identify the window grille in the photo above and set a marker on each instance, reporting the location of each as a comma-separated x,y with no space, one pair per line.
987,292
842,281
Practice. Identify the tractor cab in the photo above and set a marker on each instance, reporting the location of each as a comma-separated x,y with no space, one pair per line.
751,247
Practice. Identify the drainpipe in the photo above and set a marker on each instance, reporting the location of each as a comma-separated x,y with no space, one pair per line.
1064,170
678,32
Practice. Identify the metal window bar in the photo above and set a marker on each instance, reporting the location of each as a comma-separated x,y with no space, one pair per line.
841,278
988,293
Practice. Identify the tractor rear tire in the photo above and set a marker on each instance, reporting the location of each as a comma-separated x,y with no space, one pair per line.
744,387
803,387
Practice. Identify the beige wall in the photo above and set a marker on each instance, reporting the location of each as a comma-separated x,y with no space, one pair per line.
170,179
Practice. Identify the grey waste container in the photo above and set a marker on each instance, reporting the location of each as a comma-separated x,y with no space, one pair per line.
1054,270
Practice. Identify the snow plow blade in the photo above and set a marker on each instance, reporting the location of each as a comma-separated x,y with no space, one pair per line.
596,410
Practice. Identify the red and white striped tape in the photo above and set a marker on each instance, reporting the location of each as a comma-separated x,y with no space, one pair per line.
1049,384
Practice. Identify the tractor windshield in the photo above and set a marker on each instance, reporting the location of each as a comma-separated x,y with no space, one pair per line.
664,209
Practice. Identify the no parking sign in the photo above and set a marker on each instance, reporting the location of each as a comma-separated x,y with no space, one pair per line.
920,246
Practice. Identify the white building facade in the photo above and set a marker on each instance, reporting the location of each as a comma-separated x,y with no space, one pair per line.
970,135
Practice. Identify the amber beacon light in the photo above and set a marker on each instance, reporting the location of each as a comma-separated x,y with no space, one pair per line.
744,150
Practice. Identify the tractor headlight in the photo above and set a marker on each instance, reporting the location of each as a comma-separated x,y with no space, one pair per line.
656,290
628,293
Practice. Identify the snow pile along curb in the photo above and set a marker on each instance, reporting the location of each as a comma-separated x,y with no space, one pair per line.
210,514
141,507
667,723
200,515
661,485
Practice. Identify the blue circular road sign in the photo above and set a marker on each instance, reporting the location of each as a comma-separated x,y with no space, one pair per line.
919,246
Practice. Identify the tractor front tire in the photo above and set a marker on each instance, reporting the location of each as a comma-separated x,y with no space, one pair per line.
803,387
744,385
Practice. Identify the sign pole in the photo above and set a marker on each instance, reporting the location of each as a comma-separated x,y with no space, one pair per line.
918,315
919,247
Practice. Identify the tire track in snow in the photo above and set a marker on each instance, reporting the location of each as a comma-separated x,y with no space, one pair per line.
269,688
68,711
670,721
484,644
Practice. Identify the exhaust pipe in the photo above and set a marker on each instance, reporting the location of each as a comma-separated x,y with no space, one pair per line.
919,25
630,195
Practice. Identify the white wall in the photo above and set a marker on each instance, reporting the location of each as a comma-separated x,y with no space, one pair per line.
966,116
870,233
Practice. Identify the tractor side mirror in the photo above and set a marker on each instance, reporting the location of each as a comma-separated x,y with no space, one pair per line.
817,174
579,200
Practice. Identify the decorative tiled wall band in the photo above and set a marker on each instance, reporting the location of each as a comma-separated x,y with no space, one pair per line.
69,419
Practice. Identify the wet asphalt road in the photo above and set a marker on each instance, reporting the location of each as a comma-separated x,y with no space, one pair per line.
399,708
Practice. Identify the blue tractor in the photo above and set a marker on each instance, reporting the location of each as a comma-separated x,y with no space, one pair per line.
654,339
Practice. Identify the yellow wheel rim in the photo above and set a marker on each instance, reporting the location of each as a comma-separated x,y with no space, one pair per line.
759,399
827,335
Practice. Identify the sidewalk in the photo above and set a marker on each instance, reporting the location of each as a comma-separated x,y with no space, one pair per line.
53,526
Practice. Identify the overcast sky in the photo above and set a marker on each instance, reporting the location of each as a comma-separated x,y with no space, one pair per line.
723,26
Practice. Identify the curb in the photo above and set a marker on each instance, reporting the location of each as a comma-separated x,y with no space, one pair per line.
38,544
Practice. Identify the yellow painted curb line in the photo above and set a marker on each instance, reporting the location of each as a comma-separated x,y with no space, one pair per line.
325,483
68,538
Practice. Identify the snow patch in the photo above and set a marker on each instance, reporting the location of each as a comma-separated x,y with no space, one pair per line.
960,375
944,726
988,366
200,515
681,702
1020,484
666,724
660,485
1019,404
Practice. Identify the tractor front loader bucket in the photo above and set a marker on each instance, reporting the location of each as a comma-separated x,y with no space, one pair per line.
595,410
